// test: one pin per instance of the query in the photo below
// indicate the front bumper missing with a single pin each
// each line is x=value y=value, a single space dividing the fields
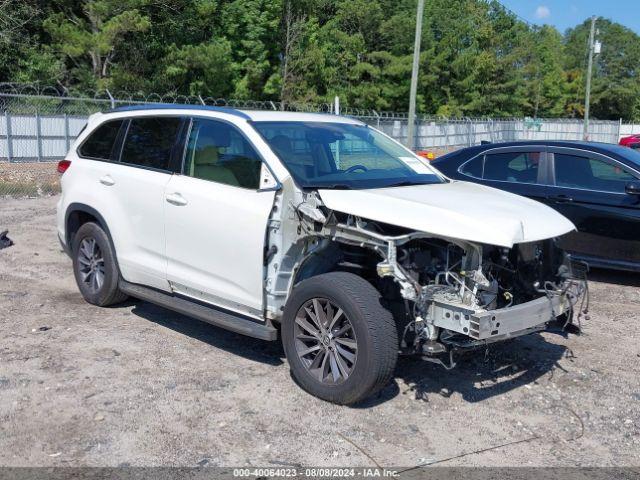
x=509 y=322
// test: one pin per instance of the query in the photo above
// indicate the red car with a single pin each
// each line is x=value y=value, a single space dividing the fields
x=632 y=141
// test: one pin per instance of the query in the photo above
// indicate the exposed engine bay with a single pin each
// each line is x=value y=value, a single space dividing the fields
x=445 y=293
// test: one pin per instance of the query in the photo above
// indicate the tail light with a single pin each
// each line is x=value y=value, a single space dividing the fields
x=63 y=166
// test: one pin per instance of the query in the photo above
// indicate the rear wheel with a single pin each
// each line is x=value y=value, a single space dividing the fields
x=95 y=267
x=340 y=341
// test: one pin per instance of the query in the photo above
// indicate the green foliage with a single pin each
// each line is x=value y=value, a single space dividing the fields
x=89 y=37
x=477 y=59
x=616 y=82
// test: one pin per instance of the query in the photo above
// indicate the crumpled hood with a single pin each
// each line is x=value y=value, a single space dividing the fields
x=460 y=210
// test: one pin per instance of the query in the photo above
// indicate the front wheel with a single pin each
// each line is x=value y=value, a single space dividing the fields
x=341 y=343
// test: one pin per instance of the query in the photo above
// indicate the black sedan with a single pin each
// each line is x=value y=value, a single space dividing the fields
x=595 y=185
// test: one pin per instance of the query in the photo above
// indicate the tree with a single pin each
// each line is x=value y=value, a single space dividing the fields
x=616 y=87
x=17 y=20
x=477 y=58
x=92 y=32
x=204 y=69
x=547 y=82
x=294 y=24
x=252 y=27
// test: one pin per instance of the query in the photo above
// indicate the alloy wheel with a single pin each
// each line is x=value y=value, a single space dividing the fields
x=325 y=341
x=91 y=264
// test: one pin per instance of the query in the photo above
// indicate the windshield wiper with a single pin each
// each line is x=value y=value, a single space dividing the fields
x=405 y=183
x=334 y=186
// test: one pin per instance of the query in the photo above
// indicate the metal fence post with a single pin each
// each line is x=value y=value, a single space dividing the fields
x=113 y=100
x=7 y=118
x=416 y=135
x=67 y=140
x=619 y=131
x=494 y=129
x=39 y=137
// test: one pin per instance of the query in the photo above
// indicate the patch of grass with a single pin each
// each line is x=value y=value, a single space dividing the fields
x=28 y=189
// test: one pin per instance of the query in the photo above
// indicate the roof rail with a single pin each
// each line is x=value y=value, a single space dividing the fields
x=176 y=106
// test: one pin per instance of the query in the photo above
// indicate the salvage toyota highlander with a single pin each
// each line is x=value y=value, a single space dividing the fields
x=315 y=228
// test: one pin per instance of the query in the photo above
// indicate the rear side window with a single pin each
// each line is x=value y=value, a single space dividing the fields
x=515 y=167
x=150 y=142
x=586 y=173
x=100 y=143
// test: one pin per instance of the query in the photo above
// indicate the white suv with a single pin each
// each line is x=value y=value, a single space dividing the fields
x=317 y=228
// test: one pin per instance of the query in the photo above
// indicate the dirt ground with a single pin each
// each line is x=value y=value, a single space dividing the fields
x=28 y=179
x=138 y=385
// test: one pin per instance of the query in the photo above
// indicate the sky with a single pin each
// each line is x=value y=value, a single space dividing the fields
x=564 y=14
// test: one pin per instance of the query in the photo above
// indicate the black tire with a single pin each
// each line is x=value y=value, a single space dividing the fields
x=106 y=292
x=374 y=331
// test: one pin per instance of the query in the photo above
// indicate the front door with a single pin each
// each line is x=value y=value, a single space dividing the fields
x=216 y=220
x=590 y=191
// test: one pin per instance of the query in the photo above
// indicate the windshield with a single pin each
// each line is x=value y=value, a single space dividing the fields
x=340 y=155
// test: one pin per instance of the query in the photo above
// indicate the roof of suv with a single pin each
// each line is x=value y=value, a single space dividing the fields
x=253 y=115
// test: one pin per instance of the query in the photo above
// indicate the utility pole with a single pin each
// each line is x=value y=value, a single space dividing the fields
x=414 y=77
x=587 y=99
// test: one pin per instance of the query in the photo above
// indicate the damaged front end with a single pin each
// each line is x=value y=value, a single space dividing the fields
x=446 y=294
x=465 y=295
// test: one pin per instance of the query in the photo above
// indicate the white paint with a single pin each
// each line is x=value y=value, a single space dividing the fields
x=133 y=208
x=458 y=210
x=215 y=242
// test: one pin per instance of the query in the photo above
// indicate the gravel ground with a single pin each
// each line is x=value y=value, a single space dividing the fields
x=139 y=385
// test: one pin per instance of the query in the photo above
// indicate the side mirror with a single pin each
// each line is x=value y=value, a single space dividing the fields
x=632 y=188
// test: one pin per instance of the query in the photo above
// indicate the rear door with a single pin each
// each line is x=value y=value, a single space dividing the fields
x=590 y=191
x=216 y=219
x=150 y=154
x=521 y=170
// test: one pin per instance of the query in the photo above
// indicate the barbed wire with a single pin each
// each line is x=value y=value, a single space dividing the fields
x=101 y=100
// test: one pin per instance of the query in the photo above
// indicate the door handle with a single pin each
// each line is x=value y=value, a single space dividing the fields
x=107 y=180
x=561 y=198
x=176 y=199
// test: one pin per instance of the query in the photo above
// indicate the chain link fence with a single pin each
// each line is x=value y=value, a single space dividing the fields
x=39 y=124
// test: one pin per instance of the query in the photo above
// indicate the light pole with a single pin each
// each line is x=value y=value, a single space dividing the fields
x=414 y=77
x=587 y=99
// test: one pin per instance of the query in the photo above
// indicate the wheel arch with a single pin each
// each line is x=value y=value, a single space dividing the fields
x=336 y=256
x=78 y=214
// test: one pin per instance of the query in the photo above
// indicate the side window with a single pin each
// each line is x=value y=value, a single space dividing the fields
x=150 y=142
x=516 y=167
x=574 y=171
x=474 y=167
x=99 y=144
x=219 y=153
